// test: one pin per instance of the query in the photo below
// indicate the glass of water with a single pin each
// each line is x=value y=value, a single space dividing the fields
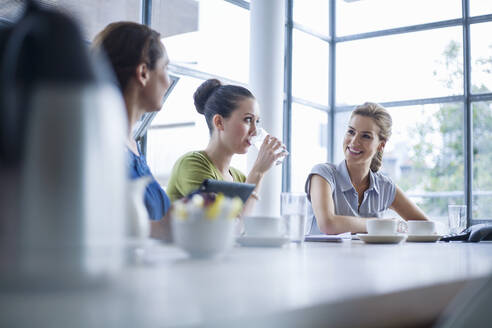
x=293 y=208
x=258 y=139
x=456 y=218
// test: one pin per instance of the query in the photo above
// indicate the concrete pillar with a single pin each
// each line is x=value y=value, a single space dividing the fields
x=266 y=81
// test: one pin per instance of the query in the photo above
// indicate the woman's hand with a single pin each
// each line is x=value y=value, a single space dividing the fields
x=270 y=151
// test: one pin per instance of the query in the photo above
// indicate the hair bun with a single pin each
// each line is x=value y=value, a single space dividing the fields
x=204 y=91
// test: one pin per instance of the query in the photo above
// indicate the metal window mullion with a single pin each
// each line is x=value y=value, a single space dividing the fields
x=147 y=12
x=410 y=102
x=240 y=3
x=414 y=28
x=480 y=19
x=401 y=30
x=467 y=122
x=171 y=125
x=287 y=122
x=309 y=103
x=331 y=84
x=311 y=32
x=146 y=20
x=481 y=97
x=194 y=73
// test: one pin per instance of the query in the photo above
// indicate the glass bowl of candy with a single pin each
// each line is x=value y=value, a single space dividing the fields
x=203 y=224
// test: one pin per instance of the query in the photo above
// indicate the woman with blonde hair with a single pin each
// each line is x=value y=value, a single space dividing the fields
x=344 y=196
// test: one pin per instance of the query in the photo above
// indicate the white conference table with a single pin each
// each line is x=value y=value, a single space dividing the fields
x=349 y=284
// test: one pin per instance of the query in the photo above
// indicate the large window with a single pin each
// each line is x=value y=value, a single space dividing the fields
x=309 y=128
x=397 y=67
x=204 y=39
x=408 y=56
x=481 y=58
x=309 y=68
x=482 y=160
x=219 y=44
x=211 y=40
x=355 y=17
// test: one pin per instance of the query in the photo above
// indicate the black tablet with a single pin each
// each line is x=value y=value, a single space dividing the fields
x=229 y=189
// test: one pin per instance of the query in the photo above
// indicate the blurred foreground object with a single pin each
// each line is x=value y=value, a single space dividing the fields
x=62 y=160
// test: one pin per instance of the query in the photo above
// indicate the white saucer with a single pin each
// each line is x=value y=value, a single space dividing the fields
x=381 y=239
x=424 y=238
x=253 y=241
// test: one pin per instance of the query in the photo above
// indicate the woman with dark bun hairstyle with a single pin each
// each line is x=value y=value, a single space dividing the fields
x=344 y=196
x=232 y=117
x=139 y=61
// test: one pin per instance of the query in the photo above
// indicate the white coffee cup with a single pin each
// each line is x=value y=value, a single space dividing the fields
x=263 y=226
x=382 y=226
x=419 y=227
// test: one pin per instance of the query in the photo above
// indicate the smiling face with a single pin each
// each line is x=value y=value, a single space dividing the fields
x=361 y=140
x=240 y=126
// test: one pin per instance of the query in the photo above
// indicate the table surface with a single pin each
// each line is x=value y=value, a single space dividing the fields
x=169 y=289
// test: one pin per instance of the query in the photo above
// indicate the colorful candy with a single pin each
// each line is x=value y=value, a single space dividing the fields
x=207 y=205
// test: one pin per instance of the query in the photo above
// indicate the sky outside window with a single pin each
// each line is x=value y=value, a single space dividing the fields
x=221 y=44
x=355 y=17
x=396 y=67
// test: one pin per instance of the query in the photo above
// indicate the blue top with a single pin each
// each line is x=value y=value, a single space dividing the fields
x=377 y=198
x=156 y=200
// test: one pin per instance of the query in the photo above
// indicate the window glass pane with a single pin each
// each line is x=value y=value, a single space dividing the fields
x=481 y=57
x=309 y=67
x=94 y=15
x=365 y=16
x=166 y=145
x=424 y=155
x=219 y=46
x=179 y=106
x=186 y=130
x=314 y=14
x=172 y=17
x=408 y=66
x=480 y=7
x=309 y=139
x=482 y=160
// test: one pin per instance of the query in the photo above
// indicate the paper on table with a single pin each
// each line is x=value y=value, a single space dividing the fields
x=328 y=238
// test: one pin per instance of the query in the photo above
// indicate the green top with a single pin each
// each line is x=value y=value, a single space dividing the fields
x=189 y=172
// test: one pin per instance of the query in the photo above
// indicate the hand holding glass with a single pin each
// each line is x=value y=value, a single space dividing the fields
x=258 y=140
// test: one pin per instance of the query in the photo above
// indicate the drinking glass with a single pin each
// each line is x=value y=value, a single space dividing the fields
x=456 y=218
x=258 y=139
x=293 y=208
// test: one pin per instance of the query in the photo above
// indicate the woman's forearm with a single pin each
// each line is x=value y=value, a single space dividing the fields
x=254 y=178
x=340 y=223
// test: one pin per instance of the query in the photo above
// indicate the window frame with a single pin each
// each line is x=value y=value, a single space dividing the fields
x=467 y=98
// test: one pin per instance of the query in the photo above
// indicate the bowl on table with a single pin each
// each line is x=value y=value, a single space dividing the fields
x=204 y=227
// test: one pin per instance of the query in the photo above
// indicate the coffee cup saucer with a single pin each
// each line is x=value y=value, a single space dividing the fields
x=382 y=239
x=424 y=238
x=262 y=241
